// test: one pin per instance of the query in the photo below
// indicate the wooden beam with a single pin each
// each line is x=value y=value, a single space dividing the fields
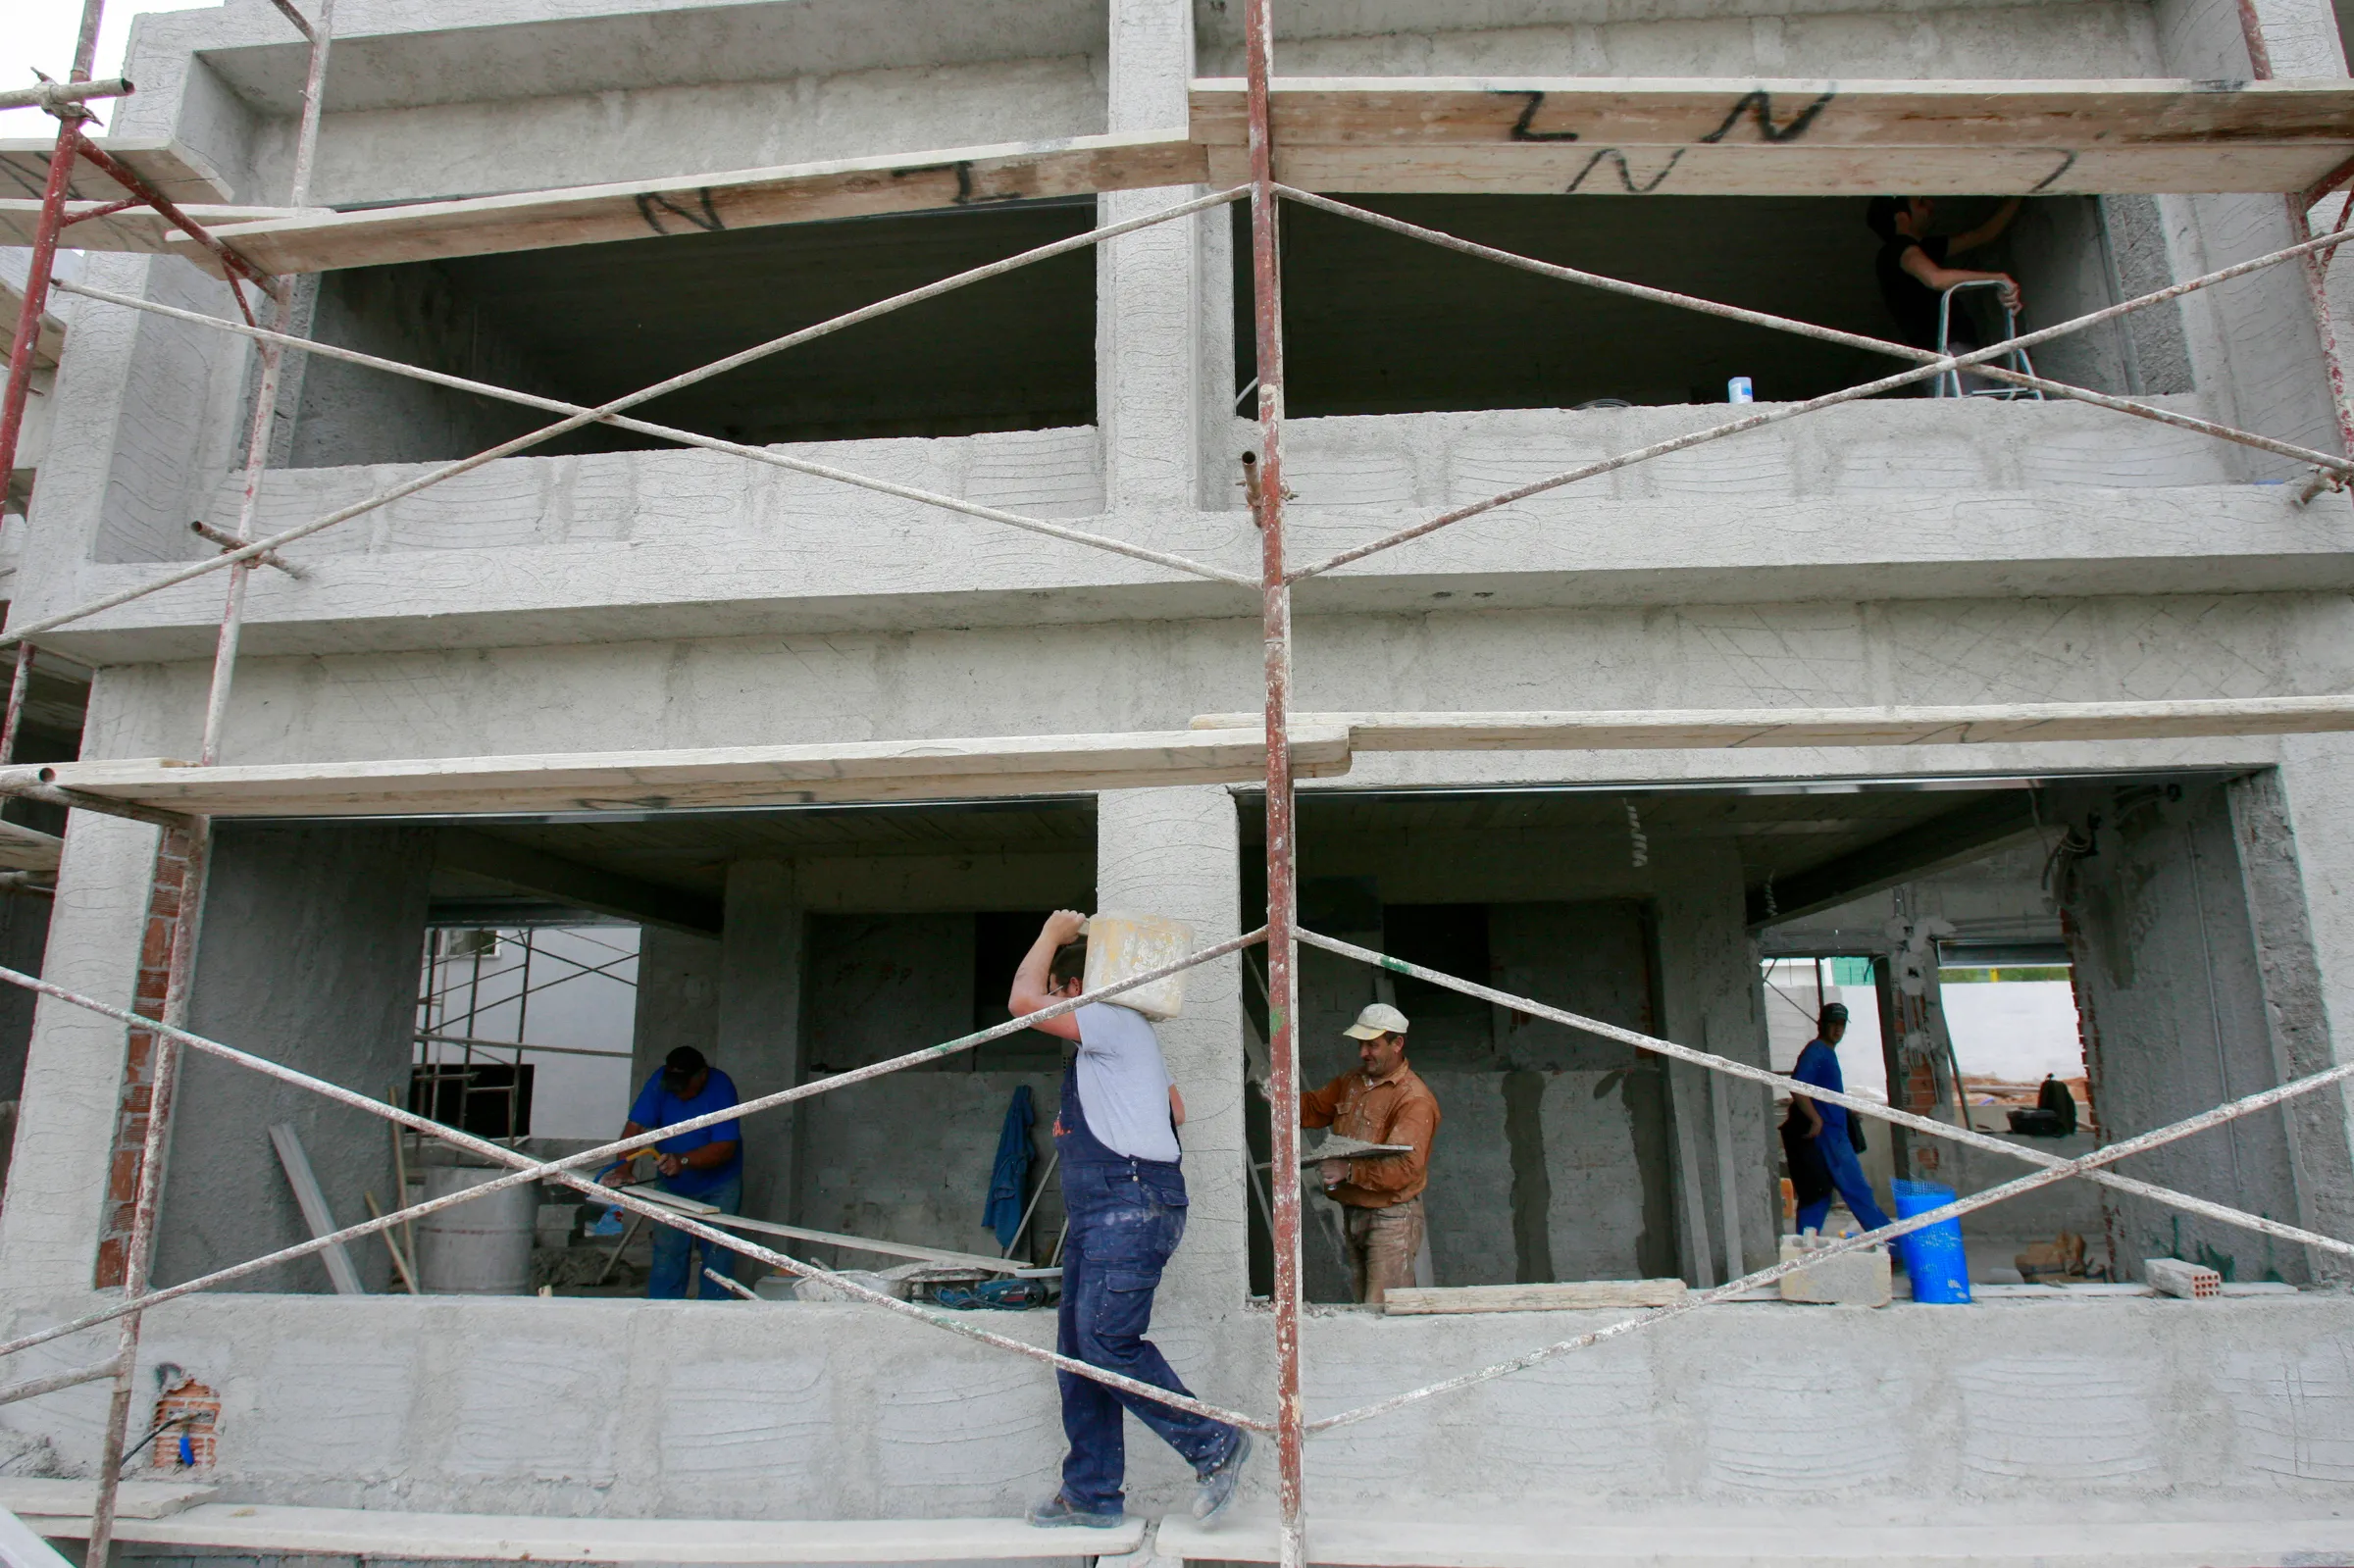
x=1947 y=839
x=24 y=848
x=737 y=776
x=176 y=170
x=1741 y=136
x=314 y=1212
x=608 y=892
x=1568 y=1296
x=855 y=1244
x=1742 y=729
x=136 y=230
x=705 y=203
x=275 y=1529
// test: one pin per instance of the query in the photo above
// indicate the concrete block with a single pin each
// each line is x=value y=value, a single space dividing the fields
x=1852 y=1279
x=2185 y=1280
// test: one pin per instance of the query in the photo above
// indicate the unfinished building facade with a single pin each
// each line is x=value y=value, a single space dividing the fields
x=608 y=592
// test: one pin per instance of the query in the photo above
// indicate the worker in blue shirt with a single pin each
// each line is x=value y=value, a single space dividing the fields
x=706 y=1164
x=1828 y=1130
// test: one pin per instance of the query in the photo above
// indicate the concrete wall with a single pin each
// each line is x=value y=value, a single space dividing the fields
x=309 y=957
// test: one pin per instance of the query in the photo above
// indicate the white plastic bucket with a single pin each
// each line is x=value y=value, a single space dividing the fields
x=478 y=1248
x=1120 y=945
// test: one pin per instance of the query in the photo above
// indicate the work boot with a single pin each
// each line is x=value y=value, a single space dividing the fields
x=1059 y=1511
x=1219 y=1480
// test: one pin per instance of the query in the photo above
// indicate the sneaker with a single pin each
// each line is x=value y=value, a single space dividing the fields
x=1219 y=1481
x=1058 y=1510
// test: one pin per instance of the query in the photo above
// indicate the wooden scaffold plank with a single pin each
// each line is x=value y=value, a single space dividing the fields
x=1751 y=727
x=708 y=203
x=1688 y=136
x=736 y=776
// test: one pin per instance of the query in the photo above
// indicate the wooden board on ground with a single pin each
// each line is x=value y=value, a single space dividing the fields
x=27 y=849
x=736 y=776
x=1423 y=1301
x=140 y=230
x=1749 y=728
x=711 y=1215
x=133 y=1499
x=1741 y=136
x=383 y=1533
x=708 y=203
x=178 y=173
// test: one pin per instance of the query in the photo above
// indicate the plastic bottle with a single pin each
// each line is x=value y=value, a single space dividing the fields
x=1739 y=390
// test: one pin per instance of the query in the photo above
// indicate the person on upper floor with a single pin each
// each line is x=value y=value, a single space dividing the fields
x=1912 y=270
x=1827 y=1133
x=1383 y=1101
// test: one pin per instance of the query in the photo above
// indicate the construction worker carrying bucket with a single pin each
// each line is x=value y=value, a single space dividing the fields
x=1123 y=1187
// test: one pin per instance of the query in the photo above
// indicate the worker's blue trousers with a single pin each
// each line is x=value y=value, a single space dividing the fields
x=1125 y=1221
x=676 y=1252
x=1849 y=1179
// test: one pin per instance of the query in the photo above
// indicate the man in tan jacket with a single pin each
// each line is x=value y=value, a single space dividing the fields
x=1382 y=1102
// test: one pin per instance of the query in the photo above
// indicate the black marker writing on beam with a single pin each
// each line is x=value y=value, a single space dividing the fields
x=651 y=205
x=1757 y=103
x=1626 y=176
x=1528 y=113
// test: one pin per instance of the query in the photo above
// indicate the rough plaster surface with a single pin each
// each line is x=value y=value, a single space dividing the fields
x=761 y=987
x=2174 y=1003
x=309 y=957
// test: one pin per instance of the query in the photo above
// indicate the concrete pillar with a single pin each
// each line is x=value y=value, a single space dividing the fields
x=760 y=1024
x=678 y=998
x=313 y=939
x=1712 y=999
x=58 y=1174
x=2295 y=830
x=1148 y=308
x=2172 y=994
x=1175 y=852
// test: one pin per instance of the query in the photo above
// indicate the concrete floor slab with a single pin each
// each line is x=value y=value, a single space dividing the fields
x=1808 y=1539
x=516 y=1537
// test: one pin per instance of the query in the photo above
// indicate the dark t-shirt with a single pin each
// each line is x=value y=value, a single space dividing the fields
x=1910 y=301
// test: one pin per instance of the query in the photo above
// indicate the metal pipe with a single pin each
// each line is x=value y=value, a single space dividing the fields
x=1829 y=334
x=2088 y=1165
x=232 y=609
x=721 y=367
x=43 y=263
x=18 y=685
x=1872 y=1109
x=553 y=1168
x=56 y=95
x=230 y=541
x=314 y=104
x=37 y=789
x=139 y=1250
x=1282 y=946
x=236 y=265
x=34 y=1388
x=518 y=1045
x=667 y=432
x=302 y=24
x=1788 y=411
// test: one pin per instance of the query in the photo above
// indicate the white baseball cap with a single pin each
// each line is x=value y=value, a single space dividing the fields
x=1376 y=1021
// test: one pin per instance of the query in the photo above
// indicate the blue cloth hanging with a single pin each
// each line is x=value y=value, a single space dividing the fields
x=1009 y=1177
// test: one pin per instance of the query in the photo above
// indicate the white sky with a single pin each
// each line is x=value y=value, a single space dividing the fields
x=40 y=33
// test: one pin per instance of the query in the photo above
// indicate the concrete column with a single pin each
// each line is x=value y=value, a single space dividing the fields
x=1150 y=378
x=313 y=937
x=2295 y=836
x=678 y=998
x=1712 y=999
x=65 y=1130
x=1175 y=852
x=2171 y=991
x=759 y=1027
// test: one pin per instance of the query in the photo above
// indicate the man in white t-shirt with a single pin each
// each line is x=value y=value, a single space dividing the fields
x=1123 y=1187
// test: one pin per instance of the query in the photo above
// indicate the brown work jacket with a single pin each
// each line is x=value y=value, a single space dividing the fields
x=1400 y=1109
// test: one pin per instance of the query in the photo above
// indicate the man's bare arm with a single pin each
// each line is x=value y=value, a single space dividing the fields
x=1917 y=262
x=1031 y=986
x=1991 y=229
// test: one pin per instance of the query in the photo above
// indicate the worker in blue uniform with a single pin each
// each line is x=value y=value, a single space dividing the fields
x=1828 y=1130
x=706 y=1164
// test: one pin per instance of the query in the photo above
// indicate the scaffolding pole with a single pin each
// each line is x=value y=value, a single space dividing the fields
x=1282 y=946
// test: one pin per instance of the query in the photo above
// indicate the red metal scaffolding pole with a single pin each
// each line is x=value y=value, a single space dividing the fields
x=1282 y=946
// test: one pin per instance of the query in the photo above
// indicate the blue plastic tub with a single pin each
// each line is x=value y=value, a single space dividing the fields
x=1932 y=1256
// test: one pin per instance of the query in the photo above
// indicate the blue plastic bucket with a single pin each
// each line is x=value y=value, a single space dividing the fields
x=1933 y=1255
